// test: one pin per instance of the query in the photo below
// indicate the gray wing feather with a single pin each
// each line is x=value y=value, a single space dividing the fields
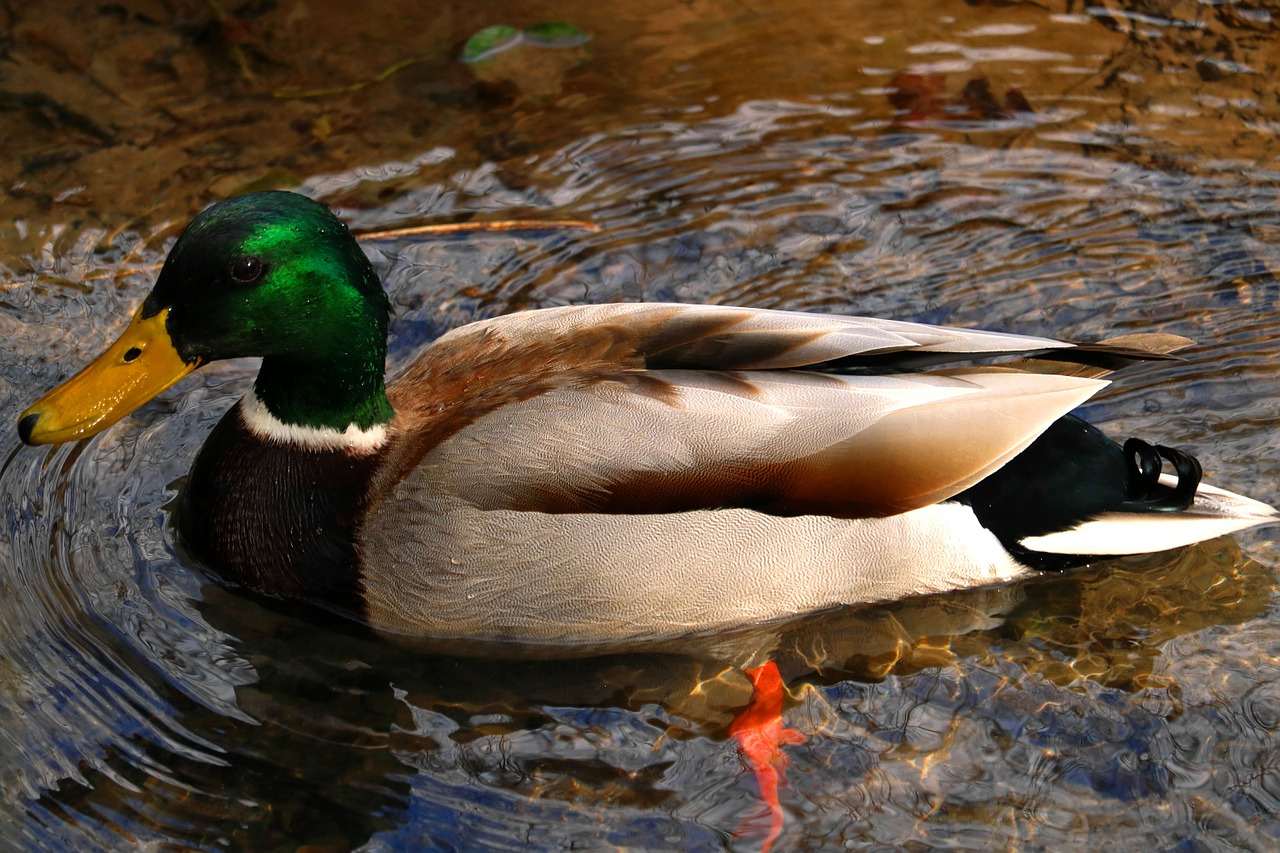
x=884 y=442
x=718 y=337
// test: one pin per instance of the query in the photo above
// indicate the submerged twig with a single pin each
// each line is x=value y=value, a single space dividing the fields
x=393 y=68
x=500 y=226
x=232 y=29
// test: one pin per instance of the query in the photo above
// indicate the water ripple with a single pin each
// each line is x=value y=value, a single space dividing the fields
x=140 y=703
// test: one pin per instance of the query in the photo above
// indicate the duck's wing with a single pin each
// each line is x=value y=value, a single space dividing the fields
x=717 y=337
x=663 y=408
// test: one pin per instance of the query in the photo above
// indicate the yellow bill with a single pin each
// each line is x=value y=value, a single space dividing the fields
x=139 y=365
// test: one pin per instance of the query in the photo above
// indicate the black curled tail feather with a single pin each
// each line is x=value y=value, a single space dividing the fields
x=1146 y=493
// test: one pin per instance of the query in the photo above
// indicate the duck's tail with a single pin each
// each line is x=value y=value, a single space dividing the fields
x=1213 y=512
x=1075 y=495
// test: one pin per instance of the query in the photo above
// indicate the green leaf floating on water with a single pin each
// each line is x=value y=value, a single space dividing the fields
x=556 y=34
x=491 y=41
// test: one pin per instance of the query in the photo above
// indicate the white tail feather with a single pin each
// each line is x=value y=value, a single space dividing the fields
x=1215 y=512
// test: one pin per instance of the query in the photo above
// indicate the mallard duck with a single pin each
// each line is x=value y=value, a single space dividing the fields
x=616 y=473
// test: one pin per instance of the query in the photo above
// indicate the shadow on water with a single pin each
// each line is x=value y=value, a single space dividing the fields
x=1135 y=702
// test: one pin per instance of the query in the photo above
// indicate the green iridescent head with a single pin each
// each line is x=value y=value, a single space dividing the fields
x=271 y=274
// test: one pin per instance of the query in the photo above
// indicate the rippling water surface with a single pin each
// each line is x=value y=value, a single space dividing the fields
x=1078 y=173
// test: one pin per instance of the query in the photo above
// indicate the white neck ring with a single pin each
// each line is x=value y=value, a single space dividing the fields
x=267 y=426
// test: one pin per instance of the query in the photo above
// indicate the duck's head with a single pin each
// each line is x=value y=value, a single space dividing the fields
x=272 y=274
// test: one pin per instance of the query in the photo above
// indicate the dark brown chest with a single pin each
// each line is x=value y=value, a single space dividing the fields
x=277 y=517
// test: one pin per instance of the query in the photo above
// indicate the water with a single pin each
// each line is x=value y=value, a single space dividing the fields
x=728 y=153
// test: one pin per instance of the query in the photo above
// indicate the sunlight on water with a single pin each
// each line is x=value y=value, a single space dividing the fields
x=1123 y=704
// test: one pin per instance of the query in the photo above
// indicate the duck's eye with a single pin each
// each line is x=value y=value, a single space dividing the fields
x=246 y=270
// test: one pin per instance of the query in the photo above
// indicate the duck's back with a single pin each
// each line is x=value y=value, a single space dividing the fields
x=648 y=471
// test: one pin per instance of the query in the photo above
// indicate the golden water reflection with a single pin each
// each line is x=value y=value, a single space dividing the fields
x=1058 y=169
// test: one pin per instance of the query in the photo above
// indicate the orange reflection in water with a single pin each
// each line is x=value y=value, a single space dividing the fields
x=760 y=735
